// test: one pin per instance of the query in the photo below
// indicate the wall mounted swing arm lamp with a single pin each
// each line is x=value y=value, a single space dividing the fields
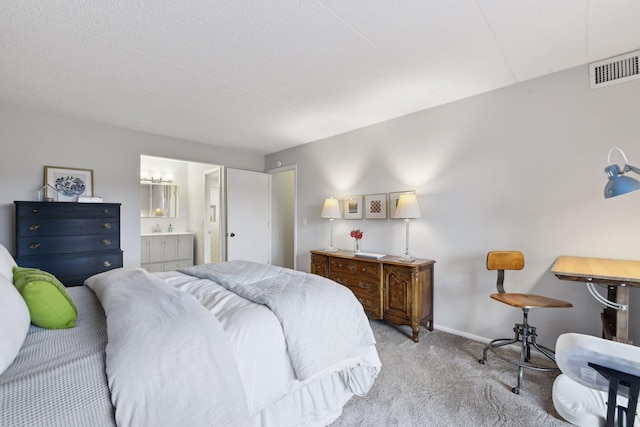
x=618 y=183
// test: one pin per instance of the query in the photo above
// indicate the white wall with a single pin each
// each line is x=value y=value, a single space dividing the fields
x=32 y=140
x=517 y=168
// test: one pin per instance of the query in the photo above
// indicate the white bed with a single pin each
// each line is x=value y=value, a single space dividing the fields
x=240 y=371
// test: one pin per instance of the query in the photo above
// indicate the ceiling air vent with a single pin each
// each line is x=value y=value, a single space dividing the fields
x=615 y=70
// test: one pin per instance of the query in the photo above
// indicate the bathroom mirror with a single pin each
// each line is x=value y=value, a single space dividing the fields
x=158 y=200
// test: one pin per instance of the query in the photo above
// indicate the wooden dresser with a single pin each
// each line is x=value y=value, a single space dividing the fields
x=389 y=289
x=69 y=240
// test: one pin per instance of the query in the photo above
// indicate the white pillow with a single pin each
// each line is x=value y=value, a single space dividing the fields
x=6 y=263
x=14 y=322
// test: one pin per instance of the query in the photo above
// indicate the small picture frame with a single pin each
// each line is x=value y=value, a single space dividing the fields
x=375 y=206
x=352 y=206
x=70 y=183
x=393 y=202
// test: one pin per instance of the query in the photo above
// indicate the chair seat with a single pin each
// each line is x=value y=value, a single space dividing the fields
x=529 y=301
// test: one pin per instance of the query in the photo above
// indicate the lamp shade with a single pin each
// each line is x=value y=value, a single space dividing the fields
x=408 y=207
x=618 y=183
x=331 y=209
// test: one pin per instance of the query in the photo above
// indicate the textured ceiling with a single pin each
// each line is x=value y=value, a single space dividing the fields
x=271 y=74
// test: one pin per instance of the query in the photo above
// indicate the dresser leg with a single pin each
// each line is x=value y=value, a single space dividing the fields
x=415 y=326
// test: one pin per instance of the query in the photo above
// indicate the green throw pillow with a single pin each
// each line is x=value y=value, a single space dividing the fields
x=49 y=303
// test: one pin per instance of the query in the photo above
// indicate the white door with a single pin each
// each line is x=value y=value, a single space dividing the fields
x=248 y=235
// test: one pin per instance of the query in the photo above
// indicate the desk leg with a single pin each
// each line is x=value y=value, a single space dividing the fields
x=616 y=322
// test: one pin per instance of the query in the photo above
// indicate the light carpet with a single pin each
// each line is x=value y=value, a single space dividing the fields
x=439 y=382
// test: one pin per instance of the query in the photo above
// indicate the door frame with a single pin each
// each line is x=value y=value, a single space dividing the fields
x=294 y=168
x=207 y=203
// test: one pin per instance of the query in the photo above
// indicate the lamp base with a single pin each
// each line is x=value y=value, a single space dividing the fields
x=407 y=258
x=331 y=249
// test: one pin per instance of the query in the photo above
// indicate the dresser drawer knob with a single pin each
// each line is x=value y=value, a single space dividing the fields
x=34 y=210
x=107 y=263
x=364 y=301
x=34 y=227
x=106 y=242
x=105 y=211
x=364 y=285
x=352 y=267
x=106 y=225
x=35 y=246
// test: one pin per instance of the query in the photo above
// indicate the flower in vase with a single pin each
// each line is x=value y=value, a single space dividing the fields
x=356 y=234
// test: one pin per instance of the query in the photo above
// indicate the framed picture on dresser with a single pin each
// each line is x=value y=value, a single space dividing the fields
x=70 y=183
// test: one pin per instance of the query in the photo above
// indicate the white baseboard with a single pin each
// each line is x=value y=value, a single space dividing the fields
x=515 y=347
x=462 y=333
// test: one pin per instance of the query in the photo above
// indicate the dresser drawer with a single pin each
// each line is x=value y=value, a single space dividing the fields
x=44 y=245
x=73 y=269
x=341 y=267
x=357 y=283
x=67 y=210
x=367 y=291
x=371 y=304
x=65 y=226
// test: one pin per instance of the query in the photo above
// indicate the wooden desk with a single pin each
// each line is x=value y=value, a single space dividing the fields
x=617 y=275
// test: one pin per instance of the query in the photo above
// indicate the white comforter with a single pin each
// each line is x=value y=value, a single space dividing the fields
x=323 y=322
x=271 y=393
x=193 y=381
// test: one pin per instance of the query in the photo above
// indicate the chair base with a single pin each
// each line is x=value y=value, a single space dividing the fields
x=526 y=335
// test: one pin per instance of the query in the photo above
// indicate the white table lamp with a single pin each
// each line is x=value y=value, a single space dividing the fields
x=407 y=208
x=331 y=210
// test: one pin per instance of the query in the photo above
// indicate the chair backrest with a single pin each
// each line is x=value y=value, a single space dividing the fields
x=504 y=260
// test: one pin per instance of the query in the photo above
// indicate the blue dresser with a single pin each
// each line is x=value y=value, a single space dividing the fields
x=70 y=240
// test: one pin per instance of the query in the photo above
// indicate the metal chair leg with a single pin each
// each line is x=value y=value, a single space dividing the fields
x=526 y=335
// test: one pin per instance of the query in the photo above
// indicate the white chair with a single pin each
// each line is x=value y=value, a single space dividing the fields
x=598 y=377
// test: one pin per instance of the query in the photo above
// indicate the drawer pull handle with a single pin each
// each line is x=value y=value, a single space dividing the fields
x=34 y=210
x=34 y=227
x=364 y=301
x=105 y=211
x=107 y=263
x=106 y=242
x=35 y=246
x=352 y=267
x=364 y=285
x=106 y=225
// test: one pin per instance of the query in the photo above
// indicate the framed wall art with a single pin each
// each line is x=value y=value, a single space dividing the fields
x=375 y=206
x=393 y=202
x=352 y=207
x=70 y=183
